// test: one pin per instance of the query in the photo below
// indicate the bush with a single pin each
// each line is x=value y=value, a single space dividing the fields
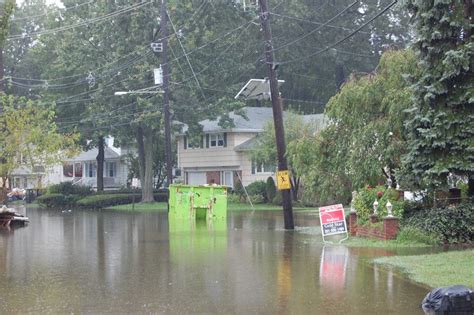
x=452 y=224
x=67 y=188
x=278 y=199
x=102 y=200
x=57 y=200
x=411 y=234
x=257 y=188
x=233 y=198
x=256 y=199
x=365 y=198
x=270 y=189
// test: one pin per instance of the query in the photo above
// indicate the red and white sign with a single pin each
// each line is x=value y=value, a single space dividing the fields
x=332 y=220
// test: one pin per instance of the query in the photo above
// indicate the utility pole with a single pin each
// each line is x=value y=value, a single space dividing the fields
x=277 y=111
x=166 y=97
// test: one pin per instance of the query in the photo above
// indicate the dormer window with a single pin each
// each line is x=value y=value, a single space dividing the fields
x=216 y=140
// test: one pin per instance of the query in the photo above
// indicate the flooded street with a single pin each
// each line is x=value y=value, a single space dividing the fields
x=111 y=262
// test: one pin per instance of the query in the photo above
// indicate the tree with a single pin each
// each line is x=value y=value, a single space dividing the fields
x=296 y=128
x=365 y=137
x=30 y=136
x=441 y=124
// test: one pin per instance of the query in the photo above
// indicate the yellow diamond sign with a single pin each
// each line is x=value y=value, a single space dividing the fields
x=283 y=180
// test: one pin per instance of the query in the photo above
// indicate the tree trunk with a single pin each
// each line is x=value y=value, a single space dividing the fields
x=100 y=164
x=340 y=77
x=147 y=183
x=141 y=154
x=295 y=184
x=470 y=190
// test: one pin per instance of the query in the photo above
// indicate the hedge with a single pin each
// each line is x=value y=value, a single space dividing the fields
x=452 y=224
x=106 y=200
x=102 y=201
x=57 y=200
x=68 y=188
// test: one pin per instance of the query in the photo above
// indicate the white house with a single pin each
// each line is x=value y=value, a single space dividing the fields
x=221 y=156
x=81 y=170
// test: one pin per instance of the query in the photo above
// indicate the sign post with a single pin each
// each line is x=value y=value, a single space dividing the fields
x=333 y=221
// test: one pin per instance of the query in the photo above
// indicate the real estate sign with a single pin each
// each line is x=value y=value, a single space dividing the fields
x=332 y=220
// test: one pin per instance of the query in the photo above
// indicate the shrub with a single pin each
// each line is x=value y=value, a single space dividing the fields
x=102 y=200
x=453 y=224
x=278 y=199
x=67 y=188
x=365 y=198
x=233 y=198
x=270 y=189
x=257 y=188
x=411 y=234
x=256 y=199
x=57 y=200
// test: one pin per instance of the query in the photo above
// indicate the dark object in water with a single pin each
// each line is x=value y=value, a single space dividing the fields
x=457 y=300
x=9 y=217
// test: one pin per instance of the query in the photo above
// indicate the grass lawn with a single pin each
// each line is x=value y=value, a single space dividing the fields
x=436 y=270
x=365 y=242
x=159 y=206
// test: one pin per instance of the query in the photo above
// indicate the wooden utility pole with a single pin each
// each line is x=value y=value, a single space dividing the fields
x=277 y=110
x=166 y=97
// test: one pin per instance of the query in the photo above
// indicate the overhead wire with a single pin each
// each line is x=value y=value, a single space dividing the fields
x=75 y=6
x=388 y=7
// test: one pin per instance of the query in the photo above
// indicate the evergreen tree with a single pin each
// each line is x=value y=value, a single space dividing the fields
x=441 y=128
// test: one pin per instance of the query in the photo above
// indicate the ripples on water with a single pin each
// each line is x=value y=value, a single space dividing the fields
x=86 y=261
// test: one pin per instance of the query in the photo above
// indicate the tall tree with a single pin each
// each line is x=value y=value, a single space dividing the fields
x=441 y=127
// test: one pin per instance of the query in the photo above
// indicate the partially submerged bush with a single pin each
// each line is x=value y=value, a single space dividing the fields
x=452 y=224
x=257 y=188
x=102 y=201
x=57 y=200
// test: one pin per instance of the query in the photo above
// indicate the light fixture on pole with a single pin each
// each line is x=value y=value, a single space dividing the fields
x=389 y=209
x=376 y=205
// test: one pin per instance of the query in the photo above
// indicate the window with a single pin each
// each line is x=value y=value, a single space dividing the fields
x=68 y=169
x=90 y=169
x=110 y=169
x=78 y=169
x=227 y=178
x=216 y=140
x=262 y=168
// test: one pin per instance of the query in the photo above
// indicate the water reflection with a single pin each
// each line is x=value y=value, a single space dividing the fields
x=109 y=262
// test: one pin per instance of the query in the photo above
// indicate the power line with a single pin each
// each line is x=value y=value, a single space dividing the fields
x=77 y=5
x=187 y=58
x=318 y=28
x=84 y=23
x=343 y=39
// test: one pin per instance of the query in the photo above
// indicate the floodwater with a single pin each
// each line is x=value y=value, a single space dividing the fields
x=112 y=262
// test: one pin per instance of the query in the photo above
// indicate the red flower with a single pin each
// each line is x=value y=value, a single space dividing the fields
x=369 y=187
x=379 y=194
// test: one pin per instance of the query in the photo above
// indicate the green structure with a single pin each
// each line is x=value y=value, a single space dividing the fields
x=198 y=202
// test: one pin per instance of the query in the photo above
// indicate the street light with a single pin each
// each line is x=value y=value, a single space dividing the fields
x=138 y=92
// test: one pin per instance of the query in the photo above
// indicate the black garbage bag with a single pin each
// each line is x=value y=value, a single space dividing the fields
x=457 y=300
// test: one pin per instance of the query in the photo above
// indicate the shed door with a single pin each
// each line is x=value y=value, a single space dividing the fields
x=197 y=178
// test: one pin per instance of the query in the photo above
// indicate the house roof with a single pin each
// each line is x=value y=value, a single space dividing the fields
x=92 y=154
x=245 y=146
x=258 y=117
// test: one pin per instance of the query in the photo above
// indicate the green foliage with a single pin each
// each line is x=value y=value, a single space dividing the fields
x=257 y=188
x=278 y=199
x=411 y=234
x=366 y=197
x=257 y=199
x=233 y=198
x=441 y=118
x=57 y=200
x=68 y=188
x=270 y=189
x=452 y=224
x=365 y=136
x=102 y=201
